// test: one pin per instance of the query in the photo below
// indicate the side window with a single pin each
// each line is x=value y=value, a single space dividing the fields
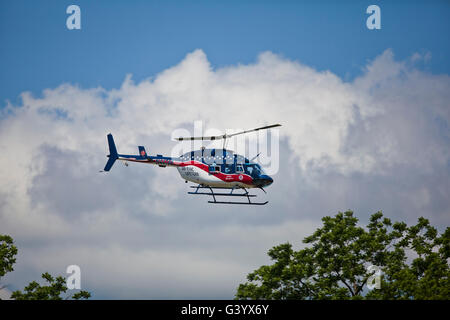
x=239 y=168
x=214 y=169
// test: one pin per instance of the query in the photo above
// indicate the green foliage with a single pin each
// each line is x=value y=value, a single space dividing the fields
x=334 y=265
x=81 y=295
x=34 y=291
x=52 y=291
x=7 y=254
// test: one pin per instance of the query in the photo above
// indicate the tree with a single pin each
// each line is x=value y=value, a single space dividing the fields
x=52 y=291
x=34 y=291
x=413 y=263
x=8 y=251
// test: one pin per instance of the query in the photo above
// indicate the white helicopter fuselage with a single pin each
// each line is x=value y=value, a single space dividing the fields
x=195 y=173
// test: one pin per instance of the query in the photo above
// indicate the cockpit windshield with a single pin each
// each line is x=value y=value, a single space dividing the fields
x=253 y=170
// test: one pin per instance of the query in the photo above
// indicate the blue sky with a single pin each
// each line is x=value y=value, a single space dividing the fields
x=146 y=37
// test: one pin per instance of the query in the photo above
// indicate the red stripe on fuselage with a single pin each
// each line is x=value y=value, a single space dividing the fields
x=232 y=177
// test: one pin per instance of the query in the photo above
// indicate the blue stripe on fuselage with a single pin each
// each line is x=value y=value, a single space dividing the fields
x=147 y=158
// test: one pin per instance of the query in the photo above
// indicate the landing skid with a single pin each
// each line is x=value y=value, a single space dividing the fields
x=222 y=194
x=247 y=203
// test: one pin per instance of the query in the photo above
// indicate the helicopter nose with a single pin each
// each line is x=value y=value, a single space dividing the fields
x=268 y=180
x=264 y=180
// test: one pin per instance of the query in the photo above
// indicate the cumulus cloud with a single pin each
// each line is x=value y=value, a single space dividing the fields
x=377 y=142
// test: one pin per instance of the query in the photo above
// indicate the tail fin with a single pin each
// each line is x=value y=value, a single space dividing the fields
x=113 y=156
x=142 y=152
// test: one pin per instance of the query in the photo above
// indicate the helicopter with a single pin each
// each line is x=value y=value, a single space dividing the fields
x=211 y=169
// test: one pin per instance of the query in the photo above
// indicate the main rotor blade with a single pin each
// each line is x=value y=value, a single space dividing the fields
x=227 y=135
x=201 y=138
x=252 y=130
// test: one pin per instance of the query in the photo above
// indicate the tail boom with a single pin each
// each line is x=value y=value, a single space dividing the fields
x=142 y=157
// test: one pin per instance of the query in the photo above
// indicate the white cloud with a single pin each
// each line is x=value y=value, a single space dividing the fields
x=378 y=142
